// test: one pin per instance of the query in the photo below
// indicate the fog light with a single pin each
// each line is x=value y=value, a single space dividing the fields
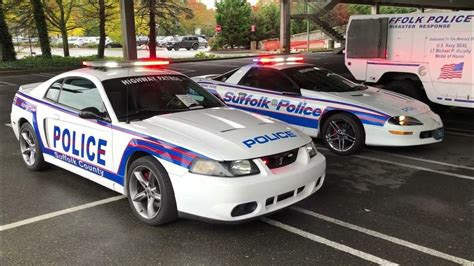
x=243 y=209
x=400 y=132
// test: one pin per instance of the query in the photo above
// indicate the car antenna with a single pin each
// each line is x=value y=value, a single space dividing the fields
x=127 y=120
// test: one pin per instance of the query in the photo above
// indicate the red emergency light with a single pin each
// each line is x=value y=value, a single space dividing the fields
x=114 y=64
x=275 y=60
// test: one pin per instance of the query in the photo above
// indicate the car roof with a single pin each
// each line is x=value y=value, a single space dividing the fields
x=113 y=73
x=282 y=66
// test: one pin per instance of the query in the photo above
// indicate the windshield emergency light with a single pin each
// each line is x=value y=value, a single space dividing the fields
x=114 y=64
x=271 y=60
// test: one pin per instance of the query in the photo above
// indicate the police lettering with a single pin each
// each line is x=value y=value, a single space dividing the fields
x=264 y=102
x=269 y=137
x=431 y=19
x=81 y=145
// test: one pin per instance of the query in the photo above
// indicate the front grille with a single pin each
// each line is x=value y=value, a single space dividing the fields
x=281 y=159
x=283 y=196
x=436 y=134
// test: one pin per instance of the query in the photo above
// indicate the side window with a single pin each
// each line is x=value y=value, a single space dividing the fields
x=53 y=91
x=269 y=79
x=80 y=93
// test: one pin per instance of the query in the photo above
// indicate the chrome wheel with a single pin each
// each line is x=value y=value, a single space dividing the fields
x=340 y=135
x=28 y=147
x=145 y=192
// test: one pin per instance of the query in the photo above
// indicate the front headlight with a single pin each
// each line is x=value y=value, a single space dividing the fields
x=224 y=169
x=404 y=121
x=311 y=148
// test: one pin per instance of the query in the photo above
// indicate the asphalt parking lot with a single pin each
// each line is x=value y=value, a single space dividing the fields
x=384 y=205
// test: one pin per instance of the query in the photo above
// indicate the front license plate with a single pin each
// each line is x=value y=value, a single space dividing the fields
x=438 y=134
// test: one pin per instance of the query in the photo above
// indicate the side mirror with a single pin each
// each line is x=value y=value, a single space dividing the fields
x=91 y=115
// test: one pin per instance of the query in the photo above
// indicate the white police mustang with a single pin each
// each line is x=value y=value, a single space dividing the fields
x=321 y=103
x=172 y=147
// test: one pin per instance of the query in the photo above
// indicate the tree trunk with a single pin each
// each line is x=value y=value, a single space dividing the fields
x=100 y=51
x=65 y=42
x=41 y=27
x=152 y=35
x=7 y=50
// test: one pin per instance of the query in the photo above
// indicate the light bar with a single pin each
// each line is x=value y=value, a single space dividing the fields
x=268 y=60
x=114 y=64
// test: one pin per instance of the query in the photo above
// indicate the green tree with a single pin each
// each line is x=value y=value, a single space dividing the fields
x=95 y=15
x=41 y=27
x=58 y=14
x=267 y=20
x=165 y=12
x=7 y=50
x=234 y=16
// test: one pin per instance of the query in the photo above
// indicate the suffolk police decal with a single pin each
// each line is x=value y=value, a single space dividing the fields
x=284 y=106
x=80 y=145
x=269 y=137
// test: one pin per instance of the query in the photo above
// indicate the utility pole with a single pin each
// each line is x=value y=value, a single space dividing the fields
x=127 y=17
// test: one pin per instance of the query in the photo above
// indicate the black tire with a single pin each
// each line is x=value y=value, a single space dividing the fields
x=176 y=48
x=195 y=46
x=108 y=46
x=169 y=48
x=188 y=48
x=205 y=46
x=408 y=88
x=167 y=211
x=35 y=162
x=347 y=132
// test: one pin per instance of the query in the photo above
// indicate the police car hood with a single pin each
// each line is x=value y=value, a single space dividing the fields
x=225 y=133
x=384 y=101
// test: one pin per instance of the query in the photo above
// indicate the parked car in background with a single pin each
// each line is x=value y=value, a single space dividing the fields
x=76 y=42
x=164 y=42
x=202 y=42
x=188 y=42
x=142 y=40
x=112 y=44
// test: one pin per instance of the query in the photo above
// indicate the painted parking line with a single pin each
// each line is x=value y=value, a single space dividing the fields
x=4 y=83
x=459 y=134
x=221 y=65
x=8 y=125
x=327 y=242
x=46 y=75
x=409 y=166
x=183 y=70
x=59 y=213
x=461 y=130
x=392 y=239
x=424 y=160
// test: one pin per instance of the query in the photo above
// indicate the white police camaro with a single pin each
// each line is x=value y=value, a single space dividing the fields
x=172 y=147
x=321 y=103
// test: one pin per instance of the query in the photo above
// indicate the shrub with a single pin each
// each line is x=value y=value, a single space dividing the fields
x=56 y=62
x=203 y=55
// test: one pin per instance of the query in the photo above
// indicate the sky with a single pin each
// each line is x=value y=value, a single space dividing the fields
x=210 y=3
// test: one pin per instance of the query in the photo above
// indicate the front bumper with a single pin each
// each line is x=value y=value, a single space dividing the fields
x=430 y=132
x=214 y=198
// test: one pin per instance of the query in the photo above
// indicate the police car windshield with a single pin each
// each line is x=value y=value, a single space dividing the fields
x=316 y=79
x=156 y=95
